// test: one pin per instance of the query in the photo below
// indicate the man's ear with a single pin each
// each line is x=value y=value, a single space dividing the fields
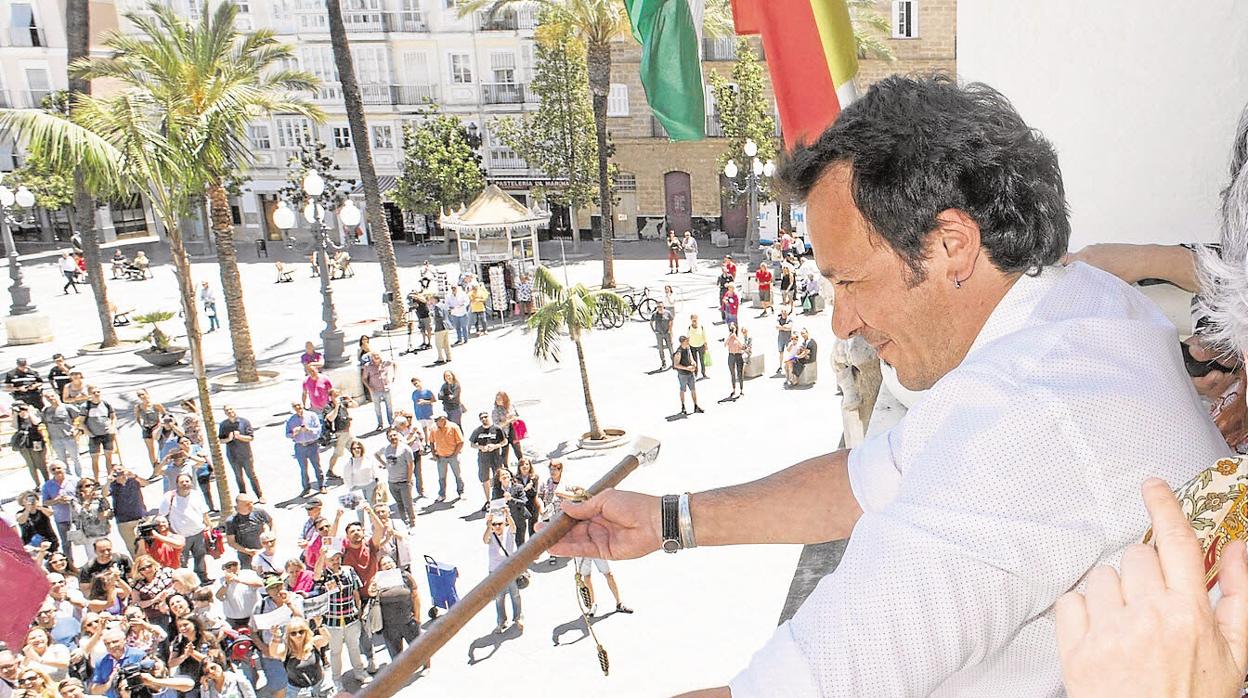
x=955 y=245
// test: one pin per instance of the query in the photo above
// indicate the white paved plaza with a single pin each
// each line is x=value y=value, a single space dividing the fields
x=699 y=614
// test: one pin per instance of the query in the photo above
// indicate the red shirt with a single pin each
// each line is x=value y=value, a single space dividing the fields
x=363 y=560
x=731 y=303
x=731 y=268
x=763 y=276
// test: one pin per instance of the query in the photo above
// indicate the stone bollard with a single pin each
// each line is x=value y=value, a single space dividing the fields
x=756 y=366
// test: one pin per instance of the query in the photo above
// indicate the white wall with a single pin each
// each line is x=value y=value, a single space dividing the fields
x=1140 y=97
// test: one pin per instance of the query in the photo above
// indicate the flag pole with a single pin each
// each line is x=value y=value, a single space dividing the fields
x=394 y=676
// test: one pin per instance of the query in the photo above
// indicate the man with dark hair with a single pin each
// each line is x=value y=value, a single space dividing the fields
x=939 y=217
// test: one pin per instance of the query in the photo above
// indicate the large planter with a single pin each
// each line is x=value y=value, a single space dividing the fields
x=611 y=439
x=163 y=359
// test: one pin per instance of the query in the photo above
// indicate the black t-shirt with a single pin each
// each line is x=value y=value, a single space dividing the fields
x=246 y=528
x=683 y=356
x=240 y=426
x=121 y=562
x=25 y=386
x=58 y=378
x=343 y=420
x=675 y=245
x=488 y=436
x=304 y=673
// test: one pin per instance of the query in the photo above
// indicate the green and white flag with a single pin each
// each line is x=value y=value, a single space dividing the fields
x=670 y=33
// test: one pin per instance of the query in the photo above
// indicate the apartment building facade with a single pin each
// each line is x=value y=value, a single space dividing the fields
x=410 y=54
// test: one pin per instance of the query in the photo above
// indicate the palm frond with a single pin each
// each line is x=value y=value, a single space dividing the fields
x=547 y=324
x=545 y=283
x=66 y=146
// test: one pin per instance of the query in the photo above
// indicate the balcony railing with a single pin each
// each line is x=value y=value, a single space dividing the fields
x=656 y=129
x=408 y=95
x=501 y=21
x=502 y=93
x=719 y=49
x=714 y=129
x=406 y=22
x=506 y=160
x=358 y=21
x=370 y=93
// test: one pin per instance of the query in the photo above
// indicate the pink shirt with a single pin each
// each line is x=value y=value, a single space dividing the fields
x=318 y=391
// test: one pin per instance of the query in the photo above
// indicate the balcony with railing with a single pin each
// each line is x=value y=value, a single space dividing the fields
x=413 y=95
x=502 y=93
x=501 y=21
x=356 y=22
x=370 y=93
x=505 y=159
x=722 y=48
x=406 y=22
x=714 y=129
x=656 y=128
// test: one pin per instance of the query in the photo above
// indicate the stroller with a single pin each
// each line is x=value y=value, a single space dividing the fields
x=442 y=580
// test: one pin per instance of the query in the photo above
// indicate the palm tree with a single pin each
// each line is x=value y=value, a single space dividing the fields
x=574 y=310
x=382 y=241
x=147 y=139
x=597 y=22
x=211 y=73
x=78 y=45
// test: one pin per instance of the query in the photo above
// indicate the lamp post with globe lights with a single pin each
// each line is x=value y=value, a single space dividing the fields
x=754 y=170
x=18 y=291
x=314 y=194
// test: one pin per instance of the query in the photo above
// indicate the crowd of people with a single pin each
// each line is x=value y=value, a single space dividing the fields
x=155 y=592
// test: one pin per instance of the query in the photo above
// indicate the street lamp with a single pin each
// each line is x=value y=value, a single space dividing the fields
x=755 y=169
x=18 y=292
x=313 y=189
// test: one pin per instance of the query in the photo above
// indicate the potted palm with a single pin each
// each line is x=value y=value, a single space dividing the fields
x=573 y=309
x=162 y=352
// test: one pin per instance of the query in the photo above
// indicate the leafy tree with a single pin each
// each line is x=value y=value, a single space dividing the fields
x=573 y=310
x=870 y=30
x=598 y=23
x=441 y=169
x=312 y=156
x=53 y=189
x=745 y=112
x=559 y=138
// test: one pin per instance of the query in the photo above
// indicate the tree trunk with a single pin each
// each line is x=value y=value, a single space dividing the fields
x=232 y=284
x=599 y=64
x=194 y=339
x=383 y=244
x=78 y=42
x=595 y=431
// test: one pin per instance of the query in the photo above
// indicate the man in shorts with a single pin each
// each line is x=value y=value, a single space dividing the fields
x=490 y=440
x=100 y=423
x=687 y=373
x=585 y=568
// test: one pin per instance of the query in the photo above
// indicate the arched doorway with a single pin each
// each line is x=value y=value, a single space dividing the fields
x=678 y=198
x=735 y=215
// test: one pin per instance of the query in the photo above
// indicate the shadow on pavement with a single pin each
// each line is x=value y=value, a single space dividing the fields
x=676 y=417
x=436 y=507
x=576 y=624
x=492 y=641
x=549 y=565
x=563 y=449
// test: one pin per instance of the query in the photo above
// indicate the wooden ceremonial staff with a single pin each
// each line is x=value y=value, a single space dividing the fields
x=394 y=676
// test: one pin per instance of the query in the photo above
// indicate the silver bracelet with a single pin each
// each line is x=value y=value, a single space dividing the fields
x=686 y=523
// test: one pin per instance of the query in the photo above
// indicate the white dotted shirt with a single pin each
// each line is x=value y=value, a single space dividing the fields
x=1018 y=472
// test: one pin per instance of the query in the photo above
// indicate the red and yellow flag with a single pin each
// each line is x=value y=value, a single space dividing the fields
x=812 y=58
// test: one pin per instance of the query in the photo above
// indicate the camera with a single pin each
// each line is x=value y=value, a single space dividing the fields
x=145 y=531
x=130 y=676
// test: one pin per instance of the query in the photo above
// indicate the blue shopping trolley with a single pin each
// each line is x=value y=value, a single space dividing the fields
x=442 y=580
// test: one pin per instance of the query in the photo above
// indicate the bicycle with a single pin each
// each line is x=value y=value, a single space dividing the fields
x=609 y=318
x=641 y=303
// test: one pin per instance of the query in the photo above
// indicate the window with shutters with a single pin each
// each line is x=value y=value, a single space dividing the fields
x=319 y=60
x=461 y=68
x=383 y=137
x=292 y=131
x=905 y=19
x=503 y=67
x=342 y=136
x=714 y=129
x=40 y=84
x=617 y=100
x=259 y=136
x=23 y=28
x=415 y=68
x=371 y=65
